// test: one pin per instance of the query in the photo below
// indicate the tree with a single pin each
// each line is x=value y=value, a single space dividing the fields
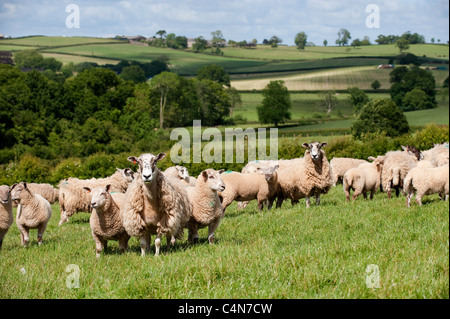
x=445 y=83
x=375 y=85
x=358 y=98
x=416 y=99
x=300 y=40
x=343 y=37
x=161 y=33
x=274 y=41
x=214 y=73
x=162 y=84
x=235 y=99
x=329 y=100
x=325 y=42
x=402 y=44
x=217 y=42
x=199 y=44
x=380 y=116
x=275 y=105
x=432 y=40
x=133 y=73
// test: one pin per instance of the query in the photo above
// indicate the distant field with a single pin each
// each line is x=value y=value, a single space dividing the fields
x=8 y=47
x=67 y=58
x=41 y=41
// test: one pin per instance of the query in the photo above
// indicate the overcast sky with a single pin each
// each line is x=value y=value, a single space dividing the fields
x=237 y=19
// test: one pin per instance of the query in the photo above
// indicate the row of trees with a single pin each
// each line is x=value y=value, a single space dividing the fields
x=98 y=110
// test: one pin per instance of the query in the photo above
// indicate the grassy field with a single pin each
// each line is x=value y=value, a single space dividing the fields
x=292 y=252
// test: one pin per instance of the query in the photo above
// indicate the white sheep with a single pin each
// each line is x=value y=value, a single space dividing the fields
x=47 y=191
x=340 y=165
x=207 y=209
x=154 y=204
x=34 y=211
x=304 y=177
x=364 y=178
x=426 y=181
x=181 y=173
x=73 y=199
x=6 y=212
x=106 y=221
x=396 y=165
x=261 y=186
x=438 y=155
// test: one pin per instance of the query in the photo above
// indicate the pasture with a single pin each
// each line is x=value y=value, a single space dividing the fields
x=292 y=252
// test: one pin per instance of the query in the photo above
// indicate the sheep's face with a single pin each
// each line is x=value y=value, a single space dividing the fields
x=147 y=165
x=314 y=150
x=378 y=162
x=127 y=174
x=213 y=179
x=4 y=194
x=182 y=172
x=414 y=152
x=17 y=189
x=98 y=195
x=268 y=172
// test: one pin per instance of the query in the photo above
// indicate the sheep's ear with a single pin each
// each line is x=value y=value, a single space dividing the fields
x=160 y=156
x=221 y=171
x=25 y=185
x=128 y=172
x=205 y=175
x=133 y=159
x=87 y=189
x=323 y=145
x=108 y=187
x=305 y=145
x=12 y=186
x=276 y=167
x=404 y=148
x=371 y=158
x=259 y=169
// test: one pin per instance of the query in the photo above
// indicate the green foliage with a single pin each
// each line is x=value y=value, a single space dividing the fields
x=300 y=40
x=445 y=83
x=402 y=44
x=378 y=116
x=275 y=105
x=35 y=60
x=416 y=99
x=214 y=73
x=199 y=44
x=375 y=85
x=358 y=98
x=133 y=73
x=406 y=59
x=30 y=168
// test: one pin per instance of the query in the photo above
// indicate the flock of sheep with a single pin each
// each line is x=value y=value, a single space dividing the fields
x=151 y=202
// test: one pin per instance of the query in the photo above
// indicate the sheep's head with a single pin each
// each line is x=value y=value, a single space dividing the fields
x=17 y=189
x=182 y=172
x=378 y=161
x=147 y=165
x=127 y=174
x=411 y=150
x=314 y=150
x=268 y=172
x=98 y=195
x=213 y=179
x=4 y=194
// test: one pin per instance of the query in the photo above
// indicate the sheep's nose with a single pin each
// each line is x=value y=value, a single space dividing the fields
x=146 y=176
x=222 y=188
x=93 y=204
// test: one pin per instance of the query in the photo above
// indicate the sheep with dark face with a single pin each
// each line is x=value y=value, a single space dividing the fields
x=154 y=204
x=304 y=177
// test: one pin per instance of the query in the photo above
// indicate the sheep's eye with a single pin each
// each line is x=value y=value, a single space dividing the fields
x=211 y=177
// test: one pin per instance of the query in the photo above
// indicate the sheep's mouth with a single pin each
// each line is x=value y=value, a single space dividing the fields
x=4 y=201
x=221 y=188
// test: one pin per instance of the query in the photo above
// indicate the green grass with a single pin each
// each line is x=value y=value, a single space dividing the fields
x=43 y=41
x=292 y=252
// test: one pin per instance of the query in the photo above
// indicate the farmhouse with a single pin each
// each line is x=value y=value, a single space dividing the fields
x=386 y=66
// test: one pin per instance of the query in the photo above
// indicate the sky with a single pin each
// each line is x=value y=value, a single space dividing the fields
x=237 y=19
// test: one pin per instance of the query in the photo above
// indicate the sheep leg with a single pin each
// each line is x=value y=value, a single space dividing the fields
x=157 y=244
x=41 y=230
x=372 y=193
x=145 y=243
x=408 y=198
x=280 y=200
x=24 y=236
x=419 y=199
x=318 y=199
x=308 y=203
x=123 y=242
x=193 y=233
x=364 y=195
x=212 y=229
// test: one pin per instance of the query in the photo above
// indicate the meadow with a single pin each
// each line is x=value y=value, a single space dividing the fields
x=292 y=252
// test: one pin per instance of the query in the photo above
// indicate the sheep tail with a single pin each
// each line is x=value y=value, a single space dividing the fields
x=395 y=176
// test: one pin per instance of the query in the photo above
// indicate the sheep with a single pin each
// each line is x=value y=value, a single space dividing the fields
x=155 y=204
x=340 y=165
x=207 y=209
x=396 y=165
x=364 y=178
x=6 y=212
x=438 y=155
x=73 y=199
x=34 y=211
x=246 y=187
x=181 y=173
x=304 y=177
x=106 y=222
x=426 y=181
x=47 y=191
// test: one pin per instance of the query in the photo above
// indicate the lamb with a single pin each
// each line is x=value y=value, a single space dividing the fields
x=304 y=177
x=340 y=165
x=181 y=173
x=207 y=209
x=364 y=178
x=396 y=165
x=426 y=181
x=47 y=191
x=34 y=211
x=106 y=221
x=73 y=199
x=245 y=187
x=155 y=204
x=6 y=212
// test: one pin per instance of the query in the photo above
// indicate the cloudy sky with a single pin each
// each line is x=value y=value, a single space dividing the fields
x=237 y=19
